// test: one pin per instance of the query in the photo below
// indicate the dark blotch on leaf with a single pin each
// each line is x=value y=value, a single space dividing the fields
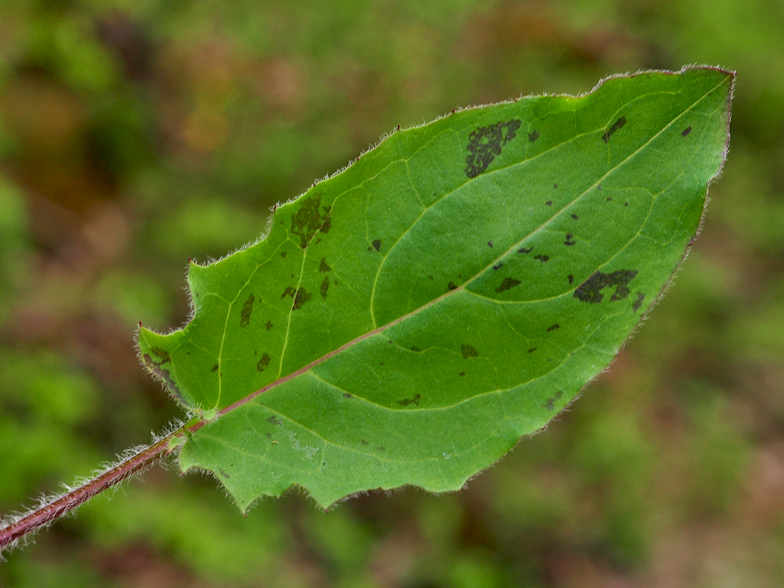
x=532 y=349
x=347 y=395
x=263 y=363
x=162 y=355
x=377 y=244
x=416 y=349
x=324 y=287
x=549 y=203
x=507 y=284
x=307 y=220
x=323 y=267
x=273 y=420
x=553 y=327
x=451 y=286
x=489 y=243
x=574 y=216
x=569 y=240
x=469 y=351
x=247 y=310
x=524 y=250
x=214 y=368
x=570 y=277
x=591 y=289
x=542 y=258
x=268 y=325
x=289 y=291
x=617 y=125
x=300 y=298
x=283 y=254
x=686 y=131
x=461 y=374
x=485 y=143
x=364 y=442
x=638 y=303
x=414 y=400
x=533 y=136
x=498 y=266
x=224 y=474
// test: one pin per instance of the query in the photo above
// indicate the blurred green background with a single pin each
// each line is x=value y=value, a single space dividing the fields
x=137 y=133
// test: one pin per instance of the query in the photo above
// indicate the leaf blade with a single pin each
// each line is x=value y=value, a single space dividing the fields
x=339 y=397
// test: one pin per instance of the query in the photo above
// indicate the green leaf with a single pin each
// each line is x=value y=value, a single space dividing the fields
x=407 y=320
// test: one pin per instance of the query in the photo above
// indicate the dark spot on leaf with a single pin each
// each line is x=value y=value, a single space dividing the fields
x=347 y=395
x=325 y=226
x=558 y=394
x=300 y=298
x=498 y=266
x=416 y=349
x=224 y=474
x=550 y=404
x=555 y=186
x=591 y=290
x=599 y=187
x=570 y=277
x=263 y=363
x=533 y=136
x=626 y=204
x=617 y=125
x=569 y=240
x=485 y=143
x=377 y=244
x=431 y=277
x=214 y=368
x=324 y=287
x=364 y=442
x=289 y=291
x=414 y=400
x=549 y=203
x=524 y=250
x=451 y=286
x=507 y=284
x=553 y=327
x=381 y=448
x=273 y=420
x=469 y=351
x=607 y=199
x=686 y=131
x=638 y=303
x=461 y=374
x=283 y=254
x=307 y=220
x=574 y=216
x=268 y=325
x=489 y=243
x=162 y=355
x=323 y=267
x=247 y=310
x=532 y=349
x=542 y=258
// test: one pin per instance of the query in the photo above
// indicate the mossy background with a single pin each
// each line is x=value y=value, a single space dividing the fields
x=136 y=134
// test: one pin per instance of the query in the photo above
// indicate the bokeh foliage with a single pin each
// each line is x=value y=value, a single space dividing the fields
x=136 y=134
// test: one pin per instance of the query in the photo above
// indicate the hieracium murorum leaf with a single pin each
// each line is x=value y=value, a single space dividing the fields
x=407 y=320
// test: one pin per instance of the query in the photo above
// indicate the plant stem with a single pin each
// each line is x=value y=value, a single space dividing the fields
x=57 y=507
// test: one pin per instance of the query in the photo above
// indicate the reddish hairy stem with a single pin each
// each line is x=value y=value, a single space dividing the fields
x=62 y=505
